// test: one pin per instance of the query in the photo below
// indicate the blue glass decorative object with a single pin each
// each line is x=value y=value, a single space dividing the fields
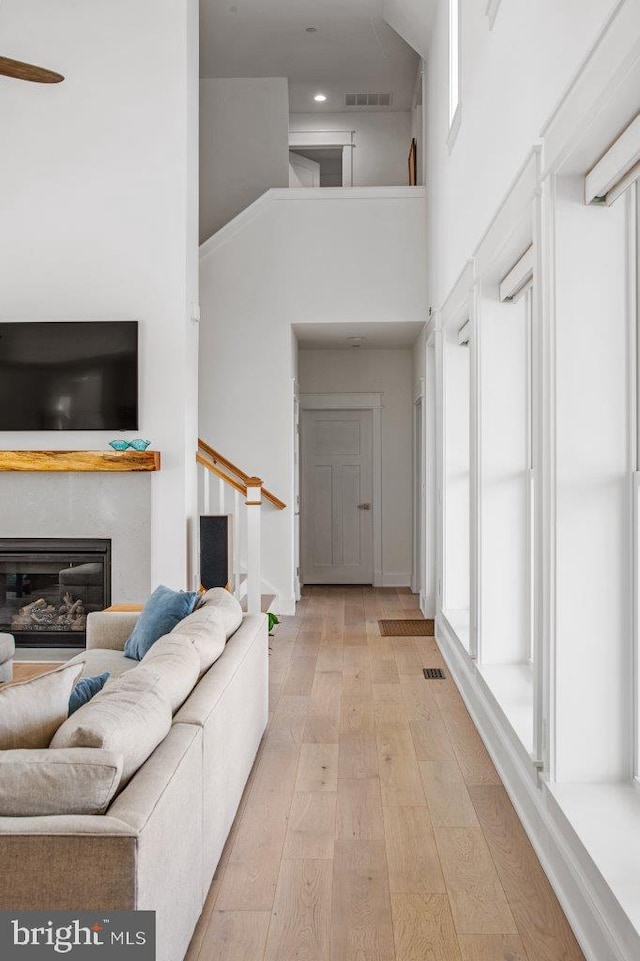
x=137 y=444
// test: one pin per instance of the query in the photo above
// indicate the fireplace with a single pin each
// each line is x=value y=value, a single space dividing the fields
x=49 y=585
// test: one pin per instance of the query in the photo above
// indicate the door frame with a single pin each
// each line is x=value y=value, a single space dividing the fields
x=307 y=164
x=359 y=401
x=418 y=484
x=328 y=138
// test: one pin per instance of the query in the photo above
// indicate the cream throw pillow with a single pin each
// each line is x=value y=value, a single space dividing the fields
x=32 y=711
x=176 y=664
x=227 y=607
x=75 y=781
x=129 y=717
x=204 y=630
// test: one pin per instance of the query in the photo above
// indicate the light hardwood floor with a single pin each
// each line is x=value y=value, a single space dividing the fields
x=374 y=826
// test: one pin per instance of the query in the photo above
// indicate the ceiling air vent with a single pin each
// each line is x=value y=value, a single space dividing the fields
x=367 y=99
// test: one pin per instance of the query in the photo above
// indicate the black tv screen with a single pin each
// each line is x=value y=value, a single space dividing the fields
x=69 y=376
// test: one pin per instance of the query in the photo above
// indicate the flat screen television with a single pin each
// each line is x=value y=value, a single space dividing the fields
x=64 y=375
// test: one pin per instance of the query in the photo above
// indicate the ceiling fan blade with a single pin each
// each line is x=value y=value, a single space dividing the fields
x=27 y=71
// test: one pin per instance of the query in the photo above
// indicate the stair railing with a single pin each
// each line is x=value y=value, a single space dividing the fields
x=231 y=478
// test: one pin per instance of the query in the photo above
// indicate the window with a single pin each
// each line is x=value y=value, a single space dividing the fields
x=506 y=492
x=615 y=182
x=634 y=305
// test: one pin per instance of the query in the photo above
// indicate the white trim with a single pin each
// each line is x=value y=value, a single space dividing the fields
x=635 y=672
x=464 y=334
x=441 y=448
x=377 y=496
x=321 y=138
x=239 y=222
x=372 y=402
x=349 y=401
x=455 y=309
x=418 y=391
x=519 y=279
x=428 y=594
x=602 y=930
x=492 y=11
x=347 y=193
x=418 y=490
x=396 y=580
x=475 y=476
x=546 y=319
x=283 y=605
x=347 y=166
x=512 y=217
x=454 y=129
x=633 y=375
x=263 y=203
x=455 y=50
x=606 y=69
x=617 y=170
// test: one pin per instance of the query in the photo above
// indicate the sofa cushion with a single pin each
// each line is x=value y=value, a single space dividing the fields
x=32 y=711
x=97 y=661
x=129 y=717
x=227 y=606
x=85 y=688
x=79 y=780
x=164 y=609
x=205 y=632
x=176 y=664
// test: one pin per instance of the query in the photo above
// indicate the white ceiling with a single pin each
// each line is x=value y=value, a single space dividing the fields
x=376 y=336
x=353 y=51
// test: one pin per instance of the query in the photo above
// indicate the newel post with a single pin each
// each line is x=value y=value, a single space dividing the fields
x=254 y=571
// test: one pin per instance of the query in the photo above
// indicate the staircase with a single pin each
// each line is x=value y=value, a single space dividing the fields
x=240 y=497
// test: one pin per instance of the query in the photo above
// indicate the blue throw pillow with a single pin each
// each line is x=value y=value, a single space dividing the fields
x=84 y=690
x=164 y=609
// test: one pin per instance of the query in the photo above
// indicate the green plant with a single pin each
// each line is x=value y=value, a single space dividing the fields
x=273 y=620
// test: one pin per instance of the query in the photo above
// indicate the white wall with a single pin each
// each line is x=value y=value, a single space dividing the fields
x=99 y=218
x=512 y=77
x=412 y=19
x=382 y=143
x=388 y=372
x=244 y=145
x=318 y=256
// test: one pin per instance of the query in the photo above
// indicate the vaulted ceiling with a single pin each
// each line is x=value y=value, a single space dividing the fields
x=352 y=48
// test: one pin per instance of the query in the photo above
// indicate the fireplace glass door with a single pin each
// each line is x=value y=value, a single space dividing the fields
x=48 y=586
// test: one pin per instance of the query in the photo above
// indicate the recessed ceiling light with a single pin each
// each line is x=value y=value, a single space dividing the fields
x=311 y=29
x=320 y=98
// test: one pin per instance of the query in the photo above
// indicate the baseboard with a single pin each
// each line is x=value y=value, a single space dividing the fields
x=395 y=580
x=603 y=931
x=284 y=605
x=427 y=605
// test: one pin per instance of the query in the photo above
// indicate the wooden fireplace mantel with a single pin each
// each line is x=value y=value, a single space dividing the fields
x=79 y=460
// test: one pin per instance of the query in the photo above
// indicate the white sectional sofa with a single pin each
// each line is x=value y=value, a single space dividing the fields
x=158 y=844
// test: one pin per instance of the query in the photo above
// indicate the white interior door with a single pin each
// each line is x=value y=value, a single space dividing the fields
x=302 y=171
x=337 y=485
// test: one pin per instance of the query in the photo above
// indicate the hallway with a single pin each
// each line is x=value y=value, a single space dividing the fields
x=374 y=826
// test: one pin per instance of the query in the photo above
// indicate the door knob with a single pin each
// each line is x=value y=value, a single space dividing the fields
x=364 y=507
